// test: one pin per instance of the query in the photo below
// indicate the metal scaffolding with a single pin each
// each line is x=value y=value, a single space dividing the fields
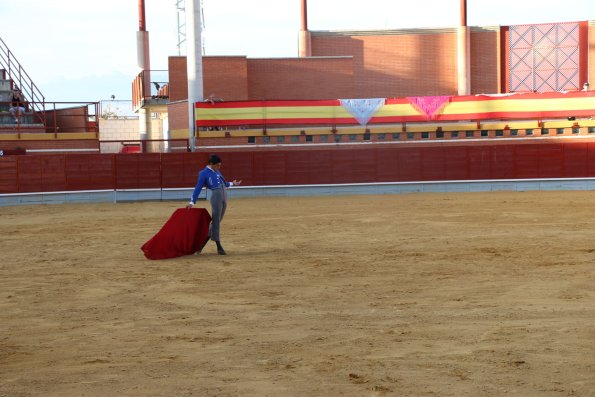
x=181 y=23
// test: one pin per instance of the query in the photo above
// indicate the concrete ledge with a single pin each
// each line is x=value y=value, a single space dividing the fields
x=183 y=194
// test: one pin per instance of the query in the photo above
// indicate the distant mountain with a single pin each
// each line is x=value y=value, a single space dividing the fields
x=89 y=89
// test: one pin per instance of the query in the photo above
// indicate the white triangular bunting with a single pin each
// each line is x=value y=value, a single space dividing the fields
x=362 y=109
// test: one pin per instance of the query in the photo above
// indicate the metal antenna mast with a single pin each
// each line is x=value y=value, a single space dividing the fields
x=181 y=15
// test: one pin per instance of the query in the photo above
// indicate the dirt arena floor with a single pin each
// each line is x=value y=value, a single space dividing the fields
x=463 y=294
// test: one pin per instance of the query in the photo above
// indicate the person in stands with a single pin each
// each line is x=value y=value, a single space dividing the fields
x=17 y=105
x=212 y=178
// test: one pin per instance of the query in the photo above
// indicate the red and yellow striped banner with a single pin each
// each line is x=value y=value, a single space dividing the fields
x=396 y=110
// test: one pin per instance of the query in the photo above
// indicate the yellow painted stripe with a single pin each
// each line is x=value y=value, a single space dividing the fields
x=42 y=136
x=519 y=105
x=283 y=112
x=211 y=134
x=179 y=134
x=558 y=124
x=76 y=135
x=397 y=109
x=296 y=112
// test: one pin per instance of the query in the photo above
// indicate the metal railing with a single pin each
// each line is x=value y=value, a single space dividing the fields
x=72 y=117
x=144 y=146
x=19 y=77
x=149 y=84
x=116 y=109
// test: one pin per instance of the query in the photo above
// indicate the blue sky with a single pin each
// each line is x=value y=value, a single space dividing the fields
x=77 y=50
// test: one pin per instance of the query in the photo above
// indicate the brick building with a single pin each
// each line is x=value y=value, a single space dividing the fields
x=399 y=63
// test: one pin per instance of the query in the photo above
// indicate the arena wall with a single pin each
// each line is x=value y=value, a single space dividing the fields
x=303 y=166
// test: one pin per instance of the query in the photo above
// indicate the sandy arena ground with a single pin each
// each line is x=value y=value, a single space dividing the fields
x=463 y=294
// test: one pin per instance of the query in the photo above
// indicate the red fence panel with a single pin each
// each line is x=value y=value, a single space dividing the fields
x=53 y=172
x=268 y=168
x=503 y=162
x=432 y=163
x=9 y=174
x=30 y=179
x=171 y=164
x=342 y=166
x=551 y=161
x=527 y=161
x=409 y=164
x=135 y=171
x=455 y=163
x=240 y=166
x=320 y=171
x=89 y=171
x=181 y=169
x=364 y=165
x=386 y=165
x=575 y=160
x=591 y=159
x=297 y=165
x=43 y=172
x=480 y=160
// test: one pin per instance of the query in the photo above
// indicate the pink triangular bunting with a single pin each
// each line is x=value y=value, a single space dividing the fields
x=429 y=105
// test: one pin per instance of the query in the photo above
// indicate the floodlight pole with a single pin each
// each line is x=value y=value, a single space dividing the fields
x=193 y=65
x=463 y=63
x=143 y=62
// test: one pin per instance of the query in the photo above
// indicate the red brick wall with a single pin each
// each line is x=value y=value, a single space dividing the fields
x=394 y=64
x=484 y=61
x=364 y=65
x=68 y=120
x=301 y=78
x=178 y=79
x=224 y=77
x=178 y=115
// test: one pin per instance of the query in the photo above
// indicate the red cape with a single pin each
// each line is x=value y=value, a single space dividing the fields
x=185 y=233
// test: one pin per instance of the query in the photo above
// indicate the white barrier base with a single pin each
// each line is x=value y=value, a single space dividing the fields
x=127 y=195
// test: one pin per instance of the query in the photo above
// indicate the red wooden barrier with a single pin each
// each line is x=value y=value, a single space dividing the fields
x=323 y=165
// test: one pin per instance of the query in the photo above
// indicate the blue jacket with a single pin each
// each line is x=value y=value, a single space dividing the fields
x=211 y=179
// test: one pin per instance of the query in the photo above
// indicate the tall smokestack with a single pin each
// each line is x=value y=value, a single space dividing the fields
x=463 y=12
x=305 y=39
x=142 y=39
x=463 y=62
x=141 y=16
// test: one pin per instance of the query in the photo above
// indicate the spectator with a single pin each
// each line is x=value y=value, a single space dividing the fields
x=213 y=99
x=17 y=105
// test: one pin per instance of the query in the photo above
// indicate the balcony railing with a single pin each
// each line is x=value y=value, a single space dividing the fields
x=149 y=84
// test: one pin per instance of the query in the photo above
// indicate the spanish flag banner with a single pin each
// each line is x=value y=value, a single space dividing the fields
x=394 y=110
